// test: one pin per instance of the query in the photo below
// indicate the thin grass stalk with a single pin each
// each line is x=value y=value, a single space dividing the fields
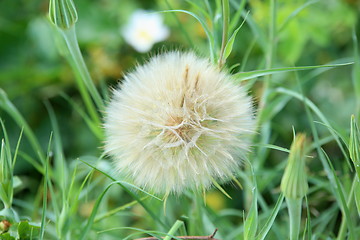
x=226 y=20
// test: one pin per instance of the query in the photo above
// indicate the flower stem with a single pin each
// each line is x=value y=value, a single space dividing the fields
x=173 y=229
x=86 y=85
x=294 y=208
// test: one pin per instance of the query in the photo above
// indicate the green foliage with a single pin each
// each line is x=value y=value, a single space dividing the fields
x=300 y=65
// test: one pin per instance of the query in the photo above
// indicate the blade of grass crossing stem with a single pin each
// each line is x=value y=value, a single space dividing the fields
x=251 y=222
x=270 y=221
x=8 y=107
x=208 y=33
x=45 y=194
x=259 y=73
x=118 y=209
x=316 y=110
x=335 y=132
x=151 y=213
x=342 y=203
x=174 y=229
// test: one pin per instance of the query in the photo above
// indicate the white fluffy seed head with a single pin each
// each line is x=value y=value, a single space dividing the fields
x=178 y=123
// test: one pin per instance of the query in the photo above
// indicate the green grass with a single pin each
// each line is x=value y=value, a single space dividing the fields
x=56 y=182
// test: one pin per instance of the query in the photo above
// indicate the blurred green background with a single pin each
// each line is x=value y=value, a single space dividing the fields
x=32 y=71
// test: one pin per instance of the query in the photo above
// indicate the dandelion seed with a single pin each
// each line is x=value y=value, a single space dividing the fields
x=144 y=29
x=178 y=123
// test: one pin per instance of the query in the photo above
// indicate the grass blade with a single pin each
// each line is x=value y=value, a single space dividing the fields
x=259 y=73
x=266 y=228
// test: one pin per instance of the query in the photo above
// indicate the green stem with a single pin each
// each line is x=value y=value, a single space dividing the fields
x=270 y=51
x=118 y=209
x=86 y=85
x=350 y=202
x=294 y=208
x=226 y=20
x=197 y=224
x=173 y=230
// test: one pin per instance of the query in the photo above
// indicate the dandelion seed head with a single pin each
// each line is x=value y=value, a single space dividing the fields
x=178 y=123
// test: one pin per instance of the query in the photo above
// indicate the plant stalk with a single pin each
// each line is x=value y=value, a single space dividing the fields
x=294 y=208
x=226 y=20
x=86 y=85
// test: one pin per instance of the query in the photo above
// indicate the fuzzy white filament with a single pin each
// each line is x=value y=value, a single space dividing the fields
x=178 y=123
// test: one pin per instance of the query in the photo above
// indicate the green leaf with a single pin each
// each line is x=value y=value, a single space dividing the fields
x=251 y=222
x=230 y=43
x=266 y=228
x=259 y=73
x=26 y=230
x=6 y=236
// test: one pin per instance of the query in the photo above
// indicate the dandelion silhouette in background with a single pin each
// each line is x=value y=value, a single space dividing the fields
x=178 y=123
x=144 y=29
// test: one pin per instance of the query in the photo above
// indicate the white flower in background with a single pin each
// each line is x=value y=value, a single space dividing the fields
x=144 y=29
x=178 y=123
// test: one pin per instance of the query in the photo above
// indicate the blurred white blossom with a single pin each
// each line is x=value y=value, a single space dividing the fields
x=144 y=29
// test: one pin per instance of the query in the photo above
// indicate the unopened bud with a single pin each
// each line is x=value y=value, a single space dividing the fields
x=62 y=13
x=294 y=181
